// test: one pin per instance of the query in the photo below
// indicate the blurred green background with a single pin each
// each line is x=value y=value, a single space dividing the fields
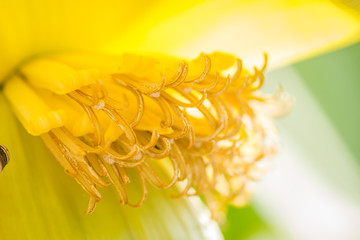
x=317 y=170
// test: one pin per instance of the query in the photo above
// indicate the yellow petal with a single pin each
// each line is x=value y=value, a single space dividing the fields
x=29 y=28
x=284 y=29
x=35 y=115
x=247 y=28
x=56 y=76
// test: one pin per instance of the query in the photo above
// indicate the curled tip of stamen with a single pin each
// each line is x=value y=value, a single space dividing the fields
x=4 y=157
x=91 y=205
x=205 y=72
x=266 y=58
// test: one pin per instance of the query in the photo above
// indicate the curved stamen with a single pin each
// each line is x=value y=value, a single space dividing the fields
x=205 y=111
x=236 y=129
x=140 y=103
x=153 y=140
x=177 y=157
x=191 y=137
x=76 y=141
x=204 y=87
x=189 y=179
x=181 y=78
x=224 y=88
x=202 y=148
x=123 y=125
x=123 y=174
x=199 y=180
x=116 y=180
x=88 y=187
x=182 y=132
x=155 y=91
x=151 y=176
x=257 y=75
x=266 y=58
x=94 y=162
x=140 y=86
x=157 y=154
x=175 y=79
x=98 y=136
x=205 y=72
x=81 y=97
x=91 y=205
x=239 y=67
x=168 y=118
x=177 y=102
x=144 y=190
x=89 y=172
x=85 y=183
x=113 y=156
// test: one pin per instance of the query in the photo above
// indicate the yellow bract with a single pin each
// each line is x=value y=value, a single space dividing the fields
x=58 y=77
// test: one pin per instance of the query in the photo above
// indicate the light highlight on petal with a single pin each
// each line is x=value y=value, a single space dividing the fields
x=35 y=115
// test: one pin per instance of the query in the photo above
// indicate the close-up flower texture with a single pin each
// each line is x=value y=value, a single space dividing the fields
x=147 y=120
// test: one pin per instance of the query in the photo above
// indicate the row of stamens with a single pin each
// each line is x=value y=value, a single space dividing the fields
x=195 y=158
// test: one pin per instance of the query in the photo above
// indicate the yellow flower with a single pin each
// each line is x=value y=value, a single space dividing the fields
x=130 y=119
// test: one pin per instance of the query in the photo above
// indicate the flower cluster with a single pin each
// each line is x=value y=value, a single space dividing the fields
x=198 y=127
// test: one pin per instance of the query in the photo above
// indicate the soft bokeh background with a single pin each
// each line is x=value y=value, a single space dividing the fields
x=313 y=189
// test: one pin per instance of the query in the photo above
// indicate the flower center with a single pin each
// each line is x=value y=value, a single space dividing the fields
x=149 y=119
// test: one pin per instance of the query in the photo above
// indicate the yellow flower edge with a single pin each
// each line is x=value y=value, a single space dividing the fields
x=195 y=127
x=277 y=27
